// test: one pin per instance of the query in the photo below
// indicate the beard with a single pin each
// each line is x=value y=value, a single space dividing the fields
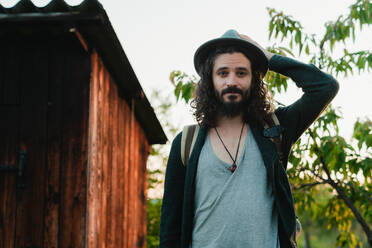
x=232 y=108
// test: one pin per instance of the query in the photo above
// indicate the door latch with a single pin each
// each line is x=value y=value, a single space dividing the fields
x=19 y=170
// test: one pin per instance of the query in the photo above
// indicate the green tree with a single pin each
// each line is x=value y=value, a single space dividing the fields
x=322 y=160
x=163 y=104
x=153 y=222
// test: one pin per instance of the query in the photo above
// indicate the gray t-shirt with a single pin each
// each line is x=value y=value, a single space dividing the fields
x=234 y=209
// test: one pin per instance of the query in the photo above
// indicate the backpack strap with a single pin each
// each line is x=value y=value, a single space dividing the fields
x=188 y=139
x=277 y=139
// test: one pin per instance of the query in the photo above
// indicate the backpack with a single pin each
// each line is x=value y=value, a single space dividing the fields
x=272 y=130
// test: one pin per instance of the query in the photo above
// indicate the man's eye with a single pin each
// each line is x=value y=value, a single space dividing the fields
x=241 y=73
x=222 y=73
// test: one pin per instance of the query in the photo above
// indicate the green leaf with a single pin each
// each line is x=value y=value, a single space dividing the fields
x=287 y=50
x=271 y=28
x=298 y=37
x=187 y=91
x=177 y=90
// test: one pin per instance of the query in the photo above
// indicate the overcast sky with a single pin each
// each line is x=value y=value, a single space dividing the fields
x=161 y=36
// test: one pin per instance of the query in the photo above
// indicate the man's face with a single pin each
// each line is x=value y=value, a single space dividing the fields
x=232 y=78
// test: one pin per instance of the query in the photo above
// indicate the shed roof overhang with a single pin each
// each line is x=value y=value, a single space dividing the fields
x=92 y=23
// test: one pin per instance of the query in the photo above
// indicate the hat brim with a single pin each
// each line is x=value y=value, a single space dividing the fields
x=255 y=55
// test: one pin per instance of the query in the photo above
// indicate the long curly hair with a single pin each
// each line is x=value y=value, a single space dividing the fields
x=207 y=106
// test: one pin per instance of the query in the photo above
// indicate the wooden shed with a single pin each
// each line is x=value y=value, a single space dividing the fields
x=75 y=130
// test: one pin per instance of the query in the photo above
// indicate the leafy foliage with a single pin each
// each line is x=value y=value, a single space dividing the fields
x=159 y=153
x=329 y=161
x=363 y=133
x=163 y=104
x=184 y=85
x=287 y=29
x=322 y=158
x=153 y=222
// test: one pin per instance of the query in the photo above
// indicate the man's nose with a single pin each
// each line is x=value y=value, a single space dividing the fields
x=231 y=80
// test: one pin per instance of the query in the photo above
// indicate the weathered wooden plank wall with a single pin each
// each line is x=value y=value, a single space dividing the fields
x=117 y=154
x=25 y=76
x=65 y=187
x=9 y=141
x=49 y=118
x=74 y=147
x=32 y=128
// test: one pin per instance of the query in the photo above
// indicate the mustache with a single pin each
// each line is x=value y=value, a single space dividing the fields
x=231 y=90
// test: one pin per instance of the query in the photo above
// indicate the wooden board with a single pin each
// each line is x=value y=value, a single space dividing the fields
x=33 y=125
x=74 y=147
x=117 y=167
x=9 y=145
x=48 y=117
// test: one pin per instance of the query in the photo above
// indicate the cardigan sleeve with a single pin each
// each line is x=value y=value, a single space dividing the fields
x=171 y=212
x=318 y=89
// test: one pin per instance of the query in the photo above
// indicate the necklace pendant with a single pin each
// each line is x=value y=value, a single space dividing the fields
x=232 y=168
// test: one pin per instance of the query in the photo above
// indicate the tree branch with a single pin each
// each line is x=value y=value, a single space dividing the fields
x=309 y=185
x=342 y=194
x=356 y=213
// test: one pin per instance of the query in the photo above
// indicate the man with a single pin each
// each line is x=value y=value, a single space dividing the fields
x=234 y=191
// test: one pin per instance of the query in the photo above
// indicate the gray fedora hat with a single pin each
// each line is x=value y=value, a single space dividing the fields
x=231 y=38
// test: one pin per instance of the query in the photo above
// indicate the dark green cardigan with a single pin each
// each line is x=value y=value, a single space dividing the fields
x=178 y=202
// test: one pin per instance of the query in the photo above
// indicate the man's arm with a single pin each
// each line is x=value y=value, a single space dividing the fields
x=319 y=89
x=171 y=212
